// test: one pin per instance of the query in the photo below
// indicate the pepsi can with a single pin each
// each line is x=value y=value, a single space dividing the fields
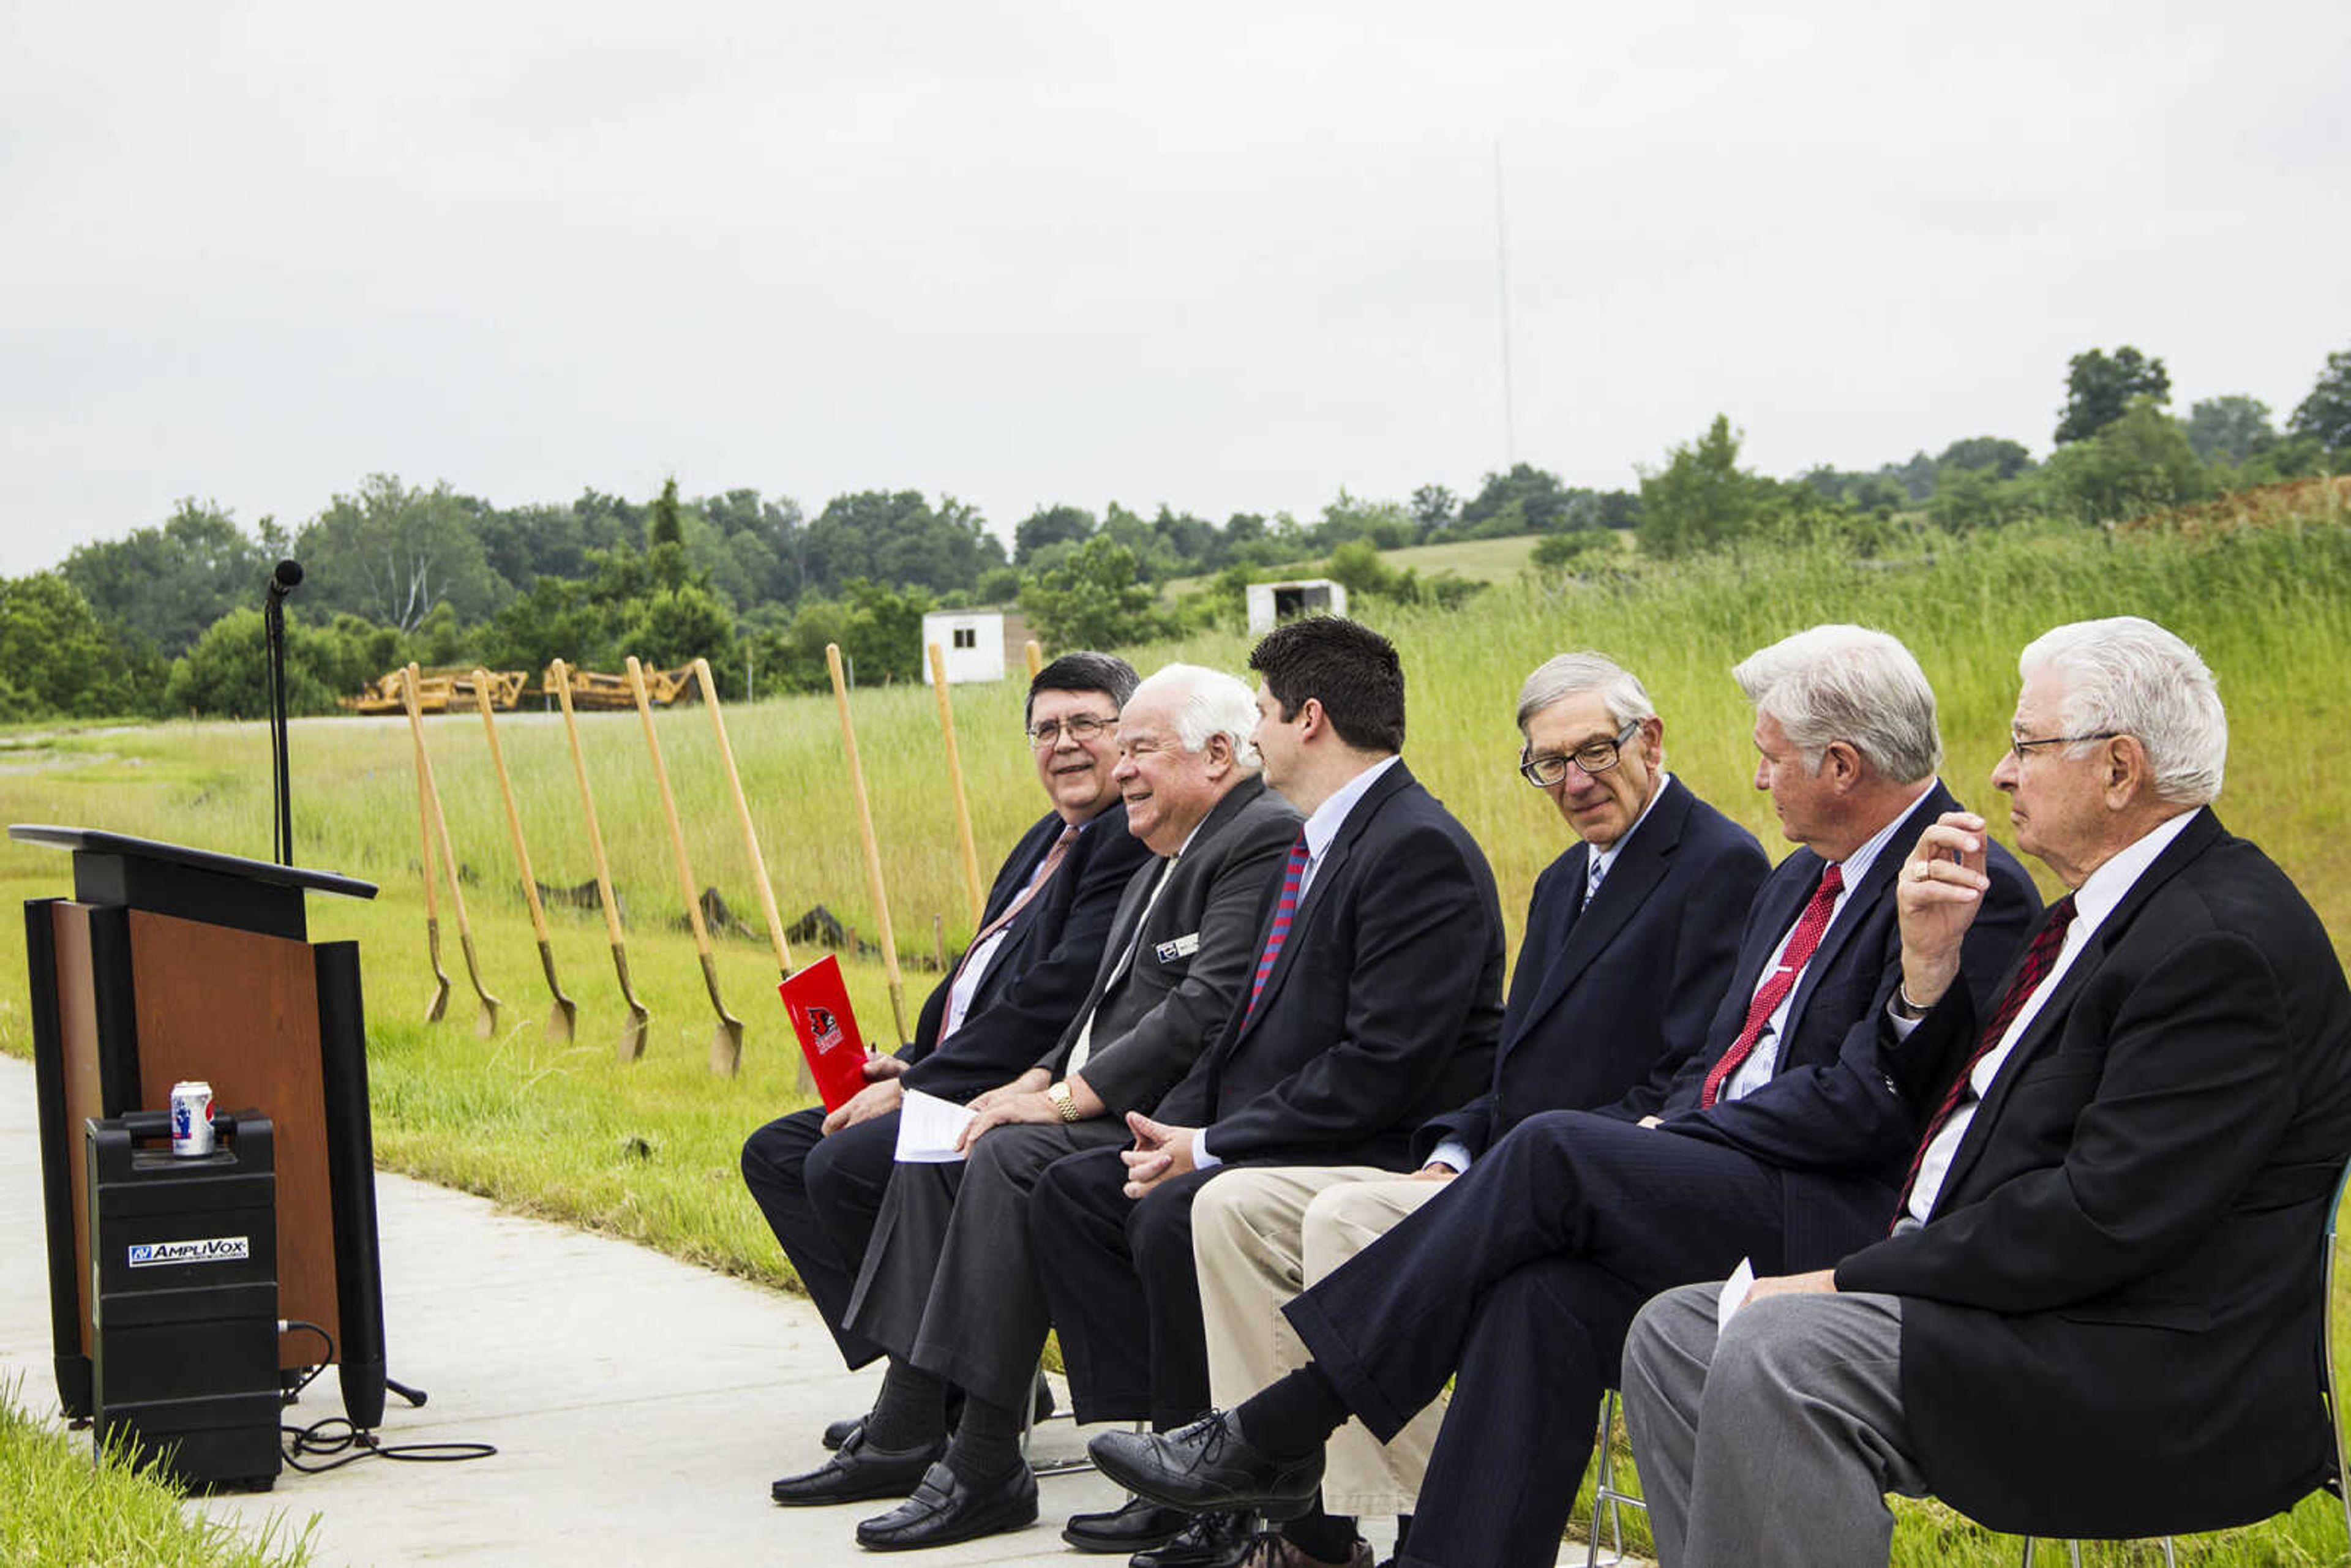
x=192 y=1118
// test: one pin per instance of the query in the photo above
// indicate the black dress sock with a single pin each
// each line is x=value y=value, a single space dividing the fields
x=912 y=1411
x=1292 y=1416
x=1326 y=1537
x=986 y=1444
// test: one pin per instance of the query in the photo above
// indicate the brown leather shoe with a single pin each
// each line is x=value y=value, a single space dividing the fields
x=1272 y=1548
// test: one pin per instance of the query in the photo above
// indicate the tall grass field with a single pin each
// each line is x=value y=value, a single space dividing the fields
x=648 y=1150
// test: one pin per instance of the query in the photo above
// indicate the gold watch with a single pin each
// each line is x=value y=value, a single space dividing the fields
x=1065 y=1103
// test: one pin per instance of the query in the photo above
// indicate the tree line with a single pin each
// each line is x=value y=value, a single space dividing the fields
x=165 y=620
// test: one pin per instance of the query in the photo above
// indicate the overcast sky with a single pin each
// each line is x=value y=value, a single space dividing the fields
x=1223 y=256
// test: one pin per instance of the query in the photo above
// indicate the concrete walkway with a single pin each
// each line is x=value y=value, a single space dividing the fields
x=640 y=1405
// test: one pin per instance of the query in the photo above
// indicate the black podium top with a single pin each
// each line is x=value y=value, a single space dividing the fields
x=192 y=884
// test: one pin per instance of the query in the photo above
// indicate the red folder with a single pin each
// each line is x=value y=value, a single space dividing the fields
x=818 y=1001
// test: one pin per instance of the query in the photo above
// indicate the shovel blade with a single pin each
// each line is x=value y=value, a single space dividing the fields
x=560 y=1019
x=727 y=1048
x=632 y=1045
x=439 y=1005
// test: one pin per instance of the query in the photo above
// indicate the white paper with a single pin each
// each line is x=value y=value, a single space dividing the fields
x=929 y=1128
x=1734 y=1290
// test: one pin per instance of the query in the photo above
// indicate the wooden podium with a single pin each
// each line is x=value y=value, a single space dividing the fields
x=171 y=963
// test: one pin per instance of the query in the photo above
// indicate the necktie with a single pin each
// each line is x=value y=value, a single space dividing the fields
x=1085 y=1046
x=1045 y=870
x=1595 y=874
x=1278 y=932
x=1776 y=985
x=2039 y=959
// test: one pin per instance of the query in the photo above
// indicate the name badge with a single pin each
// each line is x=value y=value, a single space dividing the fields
x=1181 y=947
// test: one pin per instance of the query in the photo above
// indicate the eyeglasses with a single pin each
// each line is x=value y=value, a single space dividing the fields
x=1594 y=756
x=1081 y=727
x=2017 y=748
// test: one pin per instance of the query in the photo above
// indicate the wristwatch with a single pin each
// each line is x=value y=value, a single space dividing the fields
x=1064 y=1102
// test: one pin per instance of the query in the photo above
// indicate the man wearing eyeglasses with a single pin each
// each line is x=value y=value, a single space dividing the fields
x=820 y=1178
x=1783 y=1139
x=1629 y=939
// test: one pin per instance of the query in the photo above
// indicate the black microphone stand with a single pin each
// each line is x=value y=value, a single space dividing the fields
x=273 y=620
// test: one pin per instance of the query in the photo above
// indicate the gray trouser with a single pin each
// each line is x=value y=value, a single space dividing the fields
x=949 y=1282
x=1775 y=1441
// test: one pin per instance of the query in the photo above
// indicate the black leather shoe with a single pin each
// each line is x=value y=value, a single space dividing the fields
x=1207 y=1466
x=1134 y=1525
x=841 y=1431
x=858 y=1472
x=945 y=1509
x=1209 y=1540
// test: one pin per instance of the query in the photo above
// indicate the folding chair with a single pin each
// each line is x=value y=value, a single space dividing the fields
x=1604 y=1490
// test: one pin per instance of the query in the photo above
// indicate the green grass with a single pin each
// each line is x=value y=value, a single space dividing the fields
x=56 y=1507
x=648 y=1151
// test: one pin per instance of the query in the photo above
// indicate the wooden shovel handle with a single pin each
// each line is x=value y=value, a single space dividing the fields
x=955 y=779
x=440 y=819
x=588 y=804
x=513 y=818
x=743 y=813
x=669 y=809
x=865 y=832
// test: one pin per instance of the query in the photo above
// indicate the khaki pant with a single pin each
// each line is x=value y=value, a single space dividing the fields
x=1260 y=1236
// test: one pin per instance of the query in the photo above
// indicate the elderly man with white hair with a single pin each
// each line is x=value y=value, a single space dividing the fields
x=1783 y=1140
x=2097 y=1313
x=948 y=1284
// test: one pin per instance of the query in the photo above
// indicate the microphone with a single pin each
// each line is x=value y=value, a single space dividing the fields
x=284 y=580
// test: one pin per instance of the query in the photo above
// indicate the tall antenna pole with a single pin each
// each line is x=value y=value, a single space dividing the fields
x=1503 y=291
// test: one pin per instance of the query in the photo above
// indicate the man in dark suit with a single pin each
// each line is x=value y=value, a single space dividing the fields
x=1614 y=985
x=1375 y=1005
x=2098 y=1313
x=1783 y=1139
x=818 y=1178
x=948 y=1286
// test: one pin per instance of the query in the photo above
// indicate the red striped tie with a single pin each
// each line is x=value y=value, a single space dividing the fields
x=1278 y=932
x=1809 y=926
x=2039 y=959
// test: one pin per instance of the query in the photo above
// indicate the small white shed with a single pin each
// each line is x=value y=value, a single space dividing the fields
x=973 y=641
x=1270 y=603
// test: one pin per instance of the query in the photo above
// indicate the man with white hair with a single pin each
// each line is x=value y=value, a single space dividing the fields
x=2098 y=1312
x=948 y=1284
x=1783 y=1140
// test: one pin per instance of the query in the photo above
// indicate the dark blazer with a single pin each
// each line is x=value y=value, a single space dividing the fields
x=1604 y=998
x=1044 y=967
x=1832 y=1120
x=1194 y=956
x=2110 y=1321
x=1381 y=1008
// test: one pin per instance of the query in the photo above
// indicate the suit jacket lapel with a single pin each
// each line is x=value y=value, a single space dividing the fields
x=1326 y=877
x=2049 y=1017
x=1638 y=869
x=1859 y=901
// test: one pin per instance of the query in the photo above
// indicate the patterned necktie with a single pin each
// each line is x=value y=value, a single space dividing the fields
x=2039 y=959
x=1776 y=985
x=1045 y=870
x=1278 y=932
x=1595 y=874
